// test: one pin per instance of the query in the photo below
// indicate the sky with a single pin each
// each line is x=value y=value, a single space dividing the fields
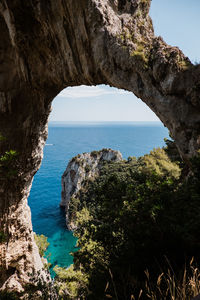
x=178 y=22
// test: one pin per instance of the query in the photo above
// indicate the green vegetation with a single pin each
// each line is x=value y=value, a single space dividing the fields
x=184 y=64
x=42 y=243
x=159 y=162
x=141 y=45
x=140 y=54
x=72 y=283
x=125 y=35
x=8 y=163
x=8 y=157
x=73 y=208
x=140 y=215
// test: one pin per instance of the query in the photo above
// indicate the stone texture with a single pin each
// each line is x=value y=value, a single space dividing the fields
x=48 y=45
x=19 y=257
x=80 y=168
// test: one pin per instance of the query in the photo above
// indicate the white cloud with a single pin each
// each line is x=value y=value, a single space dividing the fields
x=84 y=91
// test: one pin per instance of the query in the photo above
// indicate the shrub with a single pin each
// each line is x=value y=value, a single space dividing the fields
x=42 y=243
x=71 y=284
x=8 y=163
x=138 y=213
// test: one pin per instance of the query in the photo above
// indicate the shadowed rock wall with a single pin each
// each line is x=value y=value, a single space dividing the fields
x=47 y=45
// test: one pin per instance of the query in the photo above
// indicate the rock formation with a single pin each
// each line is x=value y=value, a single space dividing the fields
x=47 y=46
x=80 y=168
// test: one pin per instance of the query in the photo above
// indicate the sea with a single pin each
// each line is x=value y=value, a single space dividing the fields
x=66 y=140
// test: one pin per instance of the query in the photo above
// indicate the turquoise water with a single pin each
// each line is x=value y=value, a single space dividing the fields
x=66 y=140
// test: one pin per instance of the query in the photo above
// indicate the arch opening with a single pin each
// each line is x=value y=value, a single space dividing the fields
x=105 y=125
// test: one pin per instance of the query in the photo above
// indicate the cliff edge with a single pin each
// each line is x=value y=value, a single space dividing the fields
x=80 y=168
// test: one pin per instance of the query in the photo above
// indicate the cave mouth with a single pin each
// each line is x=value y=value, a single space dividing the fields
x=66 y=139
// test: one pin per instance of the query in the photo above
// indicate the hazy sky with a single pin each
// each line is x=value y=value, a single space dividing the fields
x=178 y=22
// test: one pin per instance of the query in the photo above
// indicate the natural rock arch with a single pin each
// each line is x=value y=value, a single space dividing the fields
x=47 y=45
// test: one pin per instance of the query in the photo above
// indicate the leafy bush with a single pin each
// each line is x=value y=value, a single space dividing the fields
x=8 y=157
x=42 y=243
x=159 y=162
x=8 y=163
x=138 y=213
x=71 y=283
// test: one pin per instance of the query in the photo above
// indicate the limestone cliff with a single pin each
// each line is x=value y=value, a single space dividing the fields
x=47 y=46
x=83 y=167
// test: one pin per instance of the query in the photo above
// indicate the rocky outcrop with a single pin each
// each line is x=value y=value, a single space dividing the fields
x=83 y=167
x=49 y=45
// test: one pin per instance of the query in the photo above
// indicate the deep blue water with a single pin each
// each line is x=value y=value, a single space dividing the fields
x=66 y=140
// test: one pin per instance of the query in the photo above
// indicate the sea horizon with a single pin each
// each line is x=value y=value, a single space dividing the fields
x=67 y=139
x=83 y=123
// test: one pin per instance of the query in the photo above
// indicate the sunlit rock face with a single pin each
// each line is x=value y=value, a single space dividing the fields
x=49 y=45
x=83 y=167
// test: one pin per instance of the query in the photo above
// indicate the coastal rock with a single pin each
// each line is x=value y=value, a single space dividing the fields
x=80 y=168
x=19 y=252
x=47 y=46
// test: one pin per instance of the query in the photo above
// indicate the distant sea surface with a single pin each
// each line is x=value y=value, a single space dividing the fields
x=66 y=140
